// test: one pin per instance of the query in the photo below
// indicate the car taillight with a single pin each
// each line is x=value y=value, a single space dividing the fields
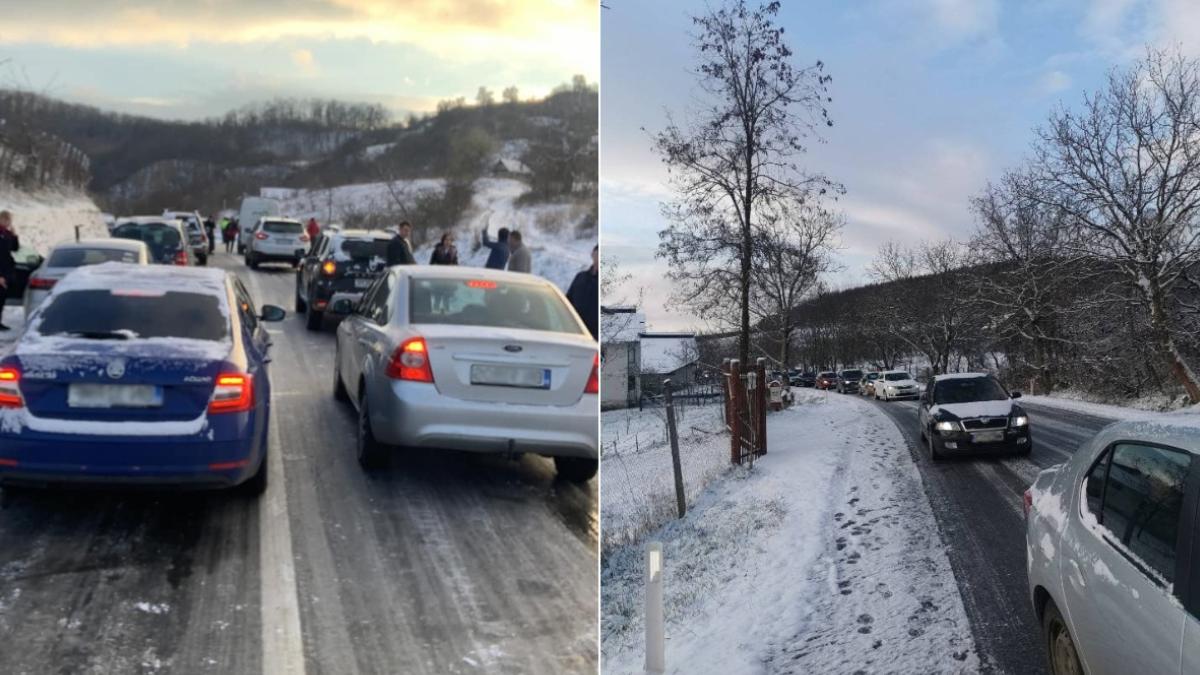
x=410 y=362
x=1028 y=501
x=329 y=268
x=181 y=258
x=260 y=236
x=593 y=383
x=10 y=388
x=234 y=393
x=41 y=283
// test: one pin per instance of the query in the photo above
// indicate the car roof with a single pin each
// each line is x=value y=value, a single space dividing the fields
x=110 y=243
x=884 y=372
x=456 y=272
x=959 y=376
x=280 y=219
x=147 y=220
x=359 y=234
x=204 y=280
x=1178 y=430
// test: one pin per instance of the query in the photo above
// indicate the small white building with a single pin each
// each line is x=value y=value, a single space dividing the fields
x=620 y=356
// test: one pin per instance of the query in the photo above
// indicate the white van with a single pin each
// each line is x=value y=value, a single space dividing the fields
x=253 y=208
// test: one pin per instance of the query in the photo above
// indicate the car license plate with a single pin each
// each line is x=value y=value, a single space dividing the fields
x=987 y=436
x=510 y=376
x=114 y=396
x=362 y=283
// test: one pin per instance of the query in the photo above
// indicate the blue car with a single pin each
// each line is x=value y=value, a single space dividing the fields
x=139 y=375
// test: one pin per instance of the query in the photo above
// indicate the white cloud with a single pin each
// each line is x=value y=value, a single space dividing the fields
x=305 y=60
x=966 y=19
x=1053 y=82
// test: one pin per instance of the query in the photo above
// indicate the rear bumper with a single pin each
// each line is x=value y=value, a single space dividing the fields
x=414 y=414
x=277 y=255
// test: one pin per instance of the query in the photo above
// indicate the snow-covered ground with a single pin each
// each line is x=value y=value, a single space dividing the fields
x=549 y=230
x=1115 y=412
x=45 y=218
x=825 y=558
x=639 y=483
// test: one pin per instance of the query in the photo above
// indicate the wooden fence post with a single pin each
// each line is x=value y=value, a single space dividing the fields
x=761 y=419
x=680 y=502
x=735 y=418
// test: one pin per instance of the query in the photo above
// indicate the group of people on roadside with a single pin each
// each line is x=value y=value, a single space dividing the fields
x=229 y=233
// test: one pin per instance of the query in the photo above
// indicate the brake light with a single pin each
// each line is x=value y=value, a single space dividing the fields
x=181 y=258
x=593 y=383
x=410 y=362
x=41 y=283
x=234 y=393
x=10 y=388
x=1028 y=501
x=481 y=283
x=260 y=236
x=329 y=268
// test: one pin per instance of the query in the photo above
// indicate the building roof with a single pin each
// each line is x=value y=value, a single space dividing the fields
x=664 y=353
x=621 y=324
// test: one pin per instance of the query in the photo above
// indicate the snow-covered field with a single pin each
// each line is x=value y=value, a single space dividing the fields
x=639 y=483
x=549 y=230
x=45 y=218
x=825 y=558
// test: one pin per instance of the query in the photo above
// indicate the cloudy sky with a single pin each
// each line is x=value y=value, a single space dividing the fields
x=197 y=58
x=932 y=98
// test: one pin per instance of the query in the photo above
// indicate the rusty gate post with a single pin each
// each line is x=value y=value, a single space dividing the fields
x=761 y=421
x=735 y=417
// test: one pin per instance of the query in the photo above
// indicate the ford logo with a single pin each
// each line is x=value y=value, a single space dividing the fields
x=116 y=369
x=513 y=348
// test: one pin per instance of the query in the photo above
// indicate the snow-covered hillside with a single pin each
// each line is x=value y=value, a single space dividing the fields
x=548 y=229
x=45 y=218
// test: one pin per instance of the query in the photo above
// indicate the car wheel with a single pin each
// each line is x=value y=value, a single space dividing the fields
x=1060 y=646
x=203 y=261
x=256 y=484
x=934 y=453
x=371 y=453
x=241 y=249
x=301 y=305
x=339 y=387
x=576 y=469
x=314 y=320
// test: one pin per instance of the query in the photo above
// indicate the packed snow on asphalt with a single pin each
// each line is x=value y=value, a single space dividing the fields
x=824 y=557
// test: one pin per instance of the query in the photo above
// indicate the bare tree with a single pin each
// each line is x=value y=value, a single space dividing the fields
x=1126 y=171
x=738 y=154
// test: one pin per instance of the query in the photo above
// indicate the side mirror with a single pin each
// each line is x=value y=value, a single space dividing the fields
x=342 y=306
x=272 y=313
x=1016 y=394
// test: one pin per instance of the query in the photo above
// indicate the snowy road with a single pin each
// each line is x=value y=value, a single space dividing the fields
x=977 y=503
x=437 y=564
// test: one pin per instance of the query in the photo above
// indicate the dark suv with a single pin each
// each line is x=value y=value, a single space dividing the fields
x=848 y=381
x=972 y=412
x=342 y=263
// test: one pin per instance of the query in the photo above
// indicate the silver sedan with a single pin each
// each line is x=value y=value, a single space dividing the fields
x=1113 y=546
x=68 y=256
x=469 y=359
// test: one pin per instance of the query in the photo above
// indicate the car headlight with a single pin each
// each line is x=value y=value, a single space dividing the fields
x=946 y=426
x=1020 y=421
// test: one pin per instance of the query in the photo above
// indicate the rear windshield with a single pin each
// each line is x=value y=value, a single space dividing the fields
x=852 y=374
x=160 y=237
x=828 y=375
x=872 y=376
x=495 y=304
x=113 y=314
x=365 y=249
x=967 y=390
x=279 y=227
x=78 y=257
x=896 y=377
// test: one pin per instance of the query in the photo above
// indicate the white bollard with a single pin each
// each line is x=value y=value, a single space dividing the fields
x=655 y=647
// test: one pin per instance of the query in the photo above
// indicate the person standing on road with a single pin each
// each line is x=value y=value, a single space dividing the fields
x=229 y=236
x=8 y=266
x=445 y=253
x=210 y=228
x=399 y=249
x=499 y=254
x=313 y=230
x=584 y=294
x=519 y=259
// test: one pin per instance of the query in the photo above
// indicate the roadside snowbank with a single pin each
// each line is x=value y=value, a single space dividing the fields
x=43 y=219
x=1103 y=410
x=824 y=558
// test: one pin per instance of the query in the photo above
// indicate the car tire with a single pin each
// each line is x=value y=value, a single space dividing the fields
x=1061 y=654
x=256 y=484
x=314 y=320
x=371 y=453
x=934 y=453
x=301 y=305
x=241 y=249
x=576 y=469
x=203 y=260
x=339 y=386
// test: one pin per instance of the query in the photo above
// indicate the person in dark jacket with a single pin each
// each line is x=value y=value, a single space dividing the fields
x=498 y=258
x=584 y=294
x=445 y=253
x=8 y=266
x=210 y=228
x=399 y=250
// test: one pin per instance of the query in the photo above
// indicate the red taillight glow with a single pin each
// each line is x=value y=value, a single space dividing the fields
x=10 y=388
x=410 y=362
x=7 y=462
x=1028 y=501
x=260 y=236
x=40 y=283
x=234 y=393
x=481 y=283
x=225 y=466
x=329 y=268
x=181 y=258
x=593 y=383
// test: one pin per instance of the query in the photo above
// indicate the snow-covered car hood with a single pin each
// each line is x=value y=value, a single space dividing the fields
x=975 y=409
x=897 y=383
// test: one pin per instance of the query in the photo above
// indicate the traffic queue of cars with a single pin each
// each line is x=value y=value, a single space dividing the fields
x=136 y=369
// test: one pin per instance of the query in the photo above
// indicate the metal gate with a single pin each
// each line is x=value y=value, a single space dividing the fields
x=745 y=409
